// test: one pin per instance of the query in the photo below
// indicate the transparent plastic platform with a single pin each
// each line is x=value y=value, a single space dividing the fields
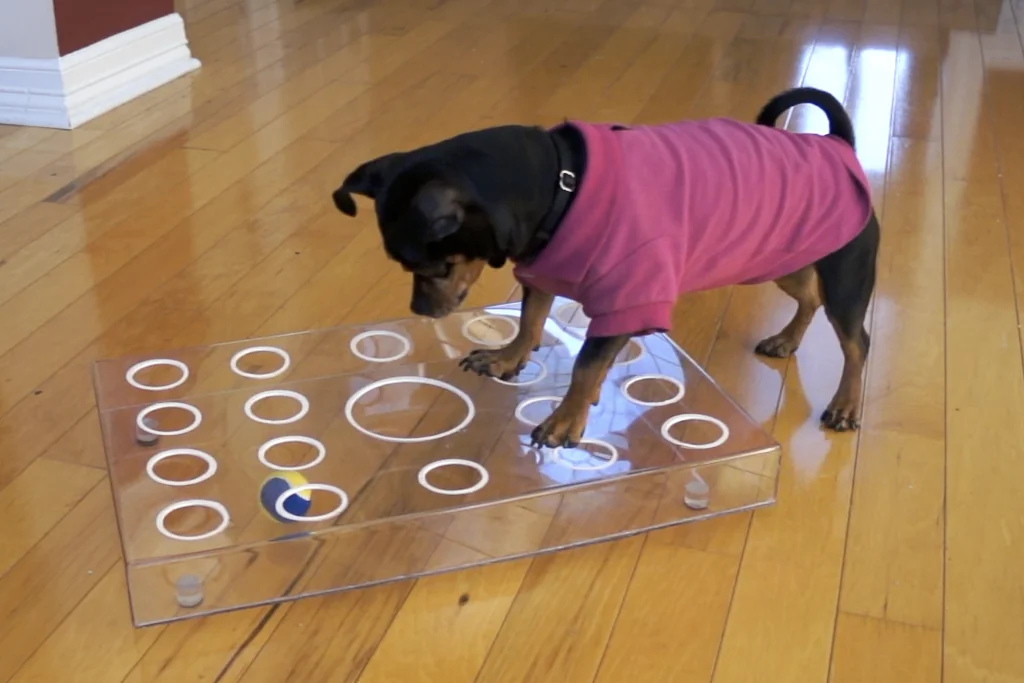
x=386 y=461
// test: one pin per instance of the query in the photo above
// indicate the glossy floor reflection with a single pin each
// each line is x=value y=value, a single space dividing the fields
x=200 y=213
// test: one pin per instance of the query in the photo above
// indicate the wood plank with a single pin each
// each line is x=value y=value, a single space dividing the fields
x=882 y=650
x=47 y=583
x=985 y=391
x=446 y=626
x=94 y=643
x=36 y=501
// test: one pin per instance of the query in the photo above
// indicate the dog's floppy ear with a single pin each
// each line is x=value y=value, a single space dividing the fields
x=366 y=180
x=444 y=207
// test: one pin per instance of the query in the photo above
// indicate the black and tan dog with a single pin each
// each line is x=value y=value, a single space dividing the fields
x=501 y=194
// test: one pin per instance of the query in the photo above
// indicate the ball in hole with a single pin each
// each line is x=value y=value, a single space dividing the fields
x=275 y=486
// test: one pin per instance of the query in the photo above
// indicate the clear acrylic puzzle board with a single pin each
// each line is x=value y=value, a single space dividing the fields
x=239 y=412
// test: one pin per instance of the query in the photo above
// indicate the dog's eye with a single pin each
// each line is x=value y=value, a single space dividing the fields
x=440 y=272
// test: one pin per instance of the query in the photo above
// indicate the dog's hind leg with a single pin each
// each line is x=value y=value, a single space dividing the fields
x=805 y=287
x=847 y=282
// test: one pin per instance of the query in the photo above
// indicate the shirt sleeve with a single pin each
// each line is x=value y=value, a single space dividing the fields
x=637 y=295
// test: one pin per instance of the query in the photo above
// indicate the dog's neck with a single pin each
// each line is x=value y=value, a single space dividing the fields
x=563 y=176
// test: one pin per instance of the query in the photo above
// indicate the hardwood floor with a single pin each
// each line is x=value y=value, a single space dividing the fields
x=201 y=213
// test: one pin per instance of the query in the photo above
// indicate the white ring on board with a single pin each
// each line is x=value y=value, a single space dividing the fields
x=680 y=389
x=280 y=353
x=308 y=440
x=129 y=376
x=557 y=314
x=342 y=502
x=427 y=469
x=690 y=417
x=197 y=418
x=541 y=375
x=529 y=402
x=256 y=398
x=473 y=338
x=613 y=456
x=429 y=381
x=219 y=508
x=354 y=346
x=211 y=466
x=643 y=352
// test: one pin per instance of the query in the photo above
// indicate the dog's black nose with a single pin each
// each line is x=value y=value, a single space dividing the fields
x=420 y=307
x=425 y=306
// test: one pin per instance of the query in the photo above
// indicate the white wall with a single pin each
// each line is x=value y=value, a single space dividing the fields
x=27 y=29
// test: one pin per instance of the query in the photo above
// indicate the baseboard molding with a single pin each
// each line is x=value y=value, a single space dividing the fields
x=66 y=92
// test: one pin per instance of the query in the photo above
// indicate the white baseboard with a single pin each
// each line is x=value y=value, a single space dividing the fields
x=66 y=92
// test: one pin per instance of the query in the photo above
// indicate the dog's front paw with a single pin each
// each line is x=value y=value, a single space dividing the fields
x=564 y=427
x=842 y=414
x=505 y=363
x=777 y=346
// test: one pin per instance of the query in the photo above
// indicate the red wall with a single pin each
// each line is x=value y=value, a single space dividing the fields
x=81 y=23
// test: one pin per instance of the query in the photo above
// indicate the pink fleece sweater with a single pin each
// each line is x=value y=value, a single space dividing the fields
x=664 y=210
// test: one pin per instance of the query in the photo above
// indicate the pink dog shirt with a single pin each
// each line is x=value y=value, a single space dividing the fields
x=664 y=210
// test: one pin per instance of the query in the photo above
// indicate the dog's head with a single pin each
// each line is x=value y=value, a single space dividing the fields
x=433 y=222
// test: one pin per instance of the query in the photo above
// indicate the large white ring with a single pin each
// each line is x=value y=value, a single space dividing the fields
x=687 y=417
x=473 y=338
x=354 y=346
x=256 y=398
x=161 y=518
x=529 y=402
x=308 y=440
x=197 y=418
x=470 y=408
x=281 y=353
x=543 y=373
x=557 y=315
x=680 y=390
x=129 y=376
x=427 y=469
x=211 y=466
x=643 y=352
x=613 y=452
x=342 y=502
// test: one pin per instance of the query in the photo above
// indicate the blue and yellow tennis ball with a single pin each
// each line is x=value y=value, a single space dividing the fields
x=275 y=486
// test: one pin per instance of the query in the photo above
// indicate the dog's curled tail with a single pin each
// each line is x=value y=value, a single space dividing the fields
x=839 y=123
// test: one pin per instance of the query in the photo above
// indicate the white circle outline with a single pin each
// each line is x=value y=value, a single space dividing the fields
x=270 y=393
x=161 y=518
x=354 y=346
x=639 y=356
x=529 y=402
x=687 y=417
x=196 y=415
x=211 y=466
x=543 y=373
x=564 y=323
x=308 y=440
x=613 y=453
x=427 y=469
x=514 y=321
x=280 y=353
x=681 y=389
x=129 y=375
x=342 y=502
x=411 y=379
